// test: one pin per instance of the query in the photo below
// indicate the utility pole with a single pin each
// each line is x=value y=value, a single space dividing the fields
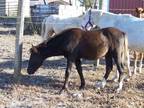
x=18 y=41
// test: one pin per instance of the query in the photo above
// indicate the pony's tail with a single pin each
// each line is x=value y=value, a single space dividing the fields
x=126 y=58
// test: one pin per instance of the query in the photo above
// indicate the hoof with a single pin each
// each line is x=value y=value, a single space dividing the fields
x=115 y=79
x=78 y=95
x=127 y=79
x=63 y=90
x=118 y=90
x=100 y=85
x=81 y=88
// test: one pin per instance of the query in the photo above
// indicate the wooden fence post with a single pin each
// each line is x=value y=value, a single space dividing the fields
x=19 y=36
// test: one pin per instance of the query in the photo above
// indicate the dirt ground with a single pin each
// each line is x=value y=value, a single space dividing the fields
x=41 y=89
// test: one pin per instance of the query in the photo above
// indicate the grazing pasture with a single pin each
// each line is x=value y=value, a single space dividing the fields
x=41 y=89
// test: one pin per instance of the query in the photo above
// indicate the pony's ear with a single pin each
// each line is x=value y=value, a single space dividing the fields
x=44 y=44
x=34 y=49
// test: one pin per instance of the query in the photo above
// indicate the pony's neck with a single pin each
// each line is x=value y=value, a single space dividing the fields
x=52 y=48
x=50 y=51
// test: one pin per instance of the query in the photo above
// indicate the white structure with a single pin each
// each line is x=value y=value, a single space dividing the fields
x=76 y=3
x=27 y=8
x=70 y=11
x=105 y=5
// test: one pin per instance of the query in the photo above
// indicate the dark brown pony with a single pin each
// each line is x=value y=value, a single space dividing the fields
x=75 y=44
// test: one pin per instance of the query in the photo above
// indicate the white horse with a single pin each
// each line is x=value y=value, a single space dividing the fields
x=132 y=26
x=56 y=24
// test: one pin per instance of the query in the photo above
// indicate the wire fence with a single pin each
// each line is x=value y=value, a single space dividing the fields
x=33 y=19
x=8 y=8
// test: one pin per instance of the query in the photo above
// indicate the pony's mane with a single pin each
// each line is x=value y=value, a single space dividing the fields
x=56 y=36
x=43 y=44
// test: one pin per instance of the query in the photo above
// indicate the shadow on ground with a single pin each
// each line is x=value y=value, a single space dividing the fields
x=7 y=81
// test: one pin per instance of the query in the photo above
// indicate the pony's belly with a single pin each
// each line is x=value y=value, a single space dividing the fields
x=93 y=55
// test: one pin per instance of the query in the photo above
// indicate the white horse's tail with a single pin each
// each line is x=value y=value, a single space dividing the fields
x=126 y=57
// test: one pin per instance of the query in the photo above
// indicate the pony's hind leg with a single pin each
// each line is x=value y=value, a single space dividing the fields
x=116 y=76
x=79 y=69
x=109 y=66
x=120 y=68
x=128 y=64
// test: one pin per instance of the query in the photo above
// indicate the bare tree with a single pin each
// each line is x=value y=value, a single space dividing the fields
x=87 y=3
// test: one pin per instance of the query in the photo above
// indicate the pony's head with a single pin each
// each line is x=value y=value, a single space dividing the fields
x=36 y=60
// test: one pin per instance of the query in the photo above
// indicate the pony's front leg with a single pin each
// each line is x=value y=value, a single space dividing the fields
x=67 y=72
x=79 y=69
x=109 y=66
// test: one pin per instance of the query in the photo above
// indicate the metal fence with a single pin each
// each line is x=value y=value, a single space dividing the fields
x=8 y=15
x=125 y=6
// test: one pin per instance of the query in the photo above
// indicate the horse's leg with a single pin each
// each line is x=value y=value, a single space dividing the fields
x=46 y=30
x=42 y=28
x=67 y=72
x=96 y=64
x=141 y=60
x=120 y=67
x=135 y=61
x=79 y=69
x=116 y=77
x=109 y=66
x=128 y=66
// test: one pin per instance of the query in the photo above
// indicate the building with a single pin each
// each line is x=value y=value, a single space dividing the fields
x=64 y=2
x=10 y=7
x=125 y=6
